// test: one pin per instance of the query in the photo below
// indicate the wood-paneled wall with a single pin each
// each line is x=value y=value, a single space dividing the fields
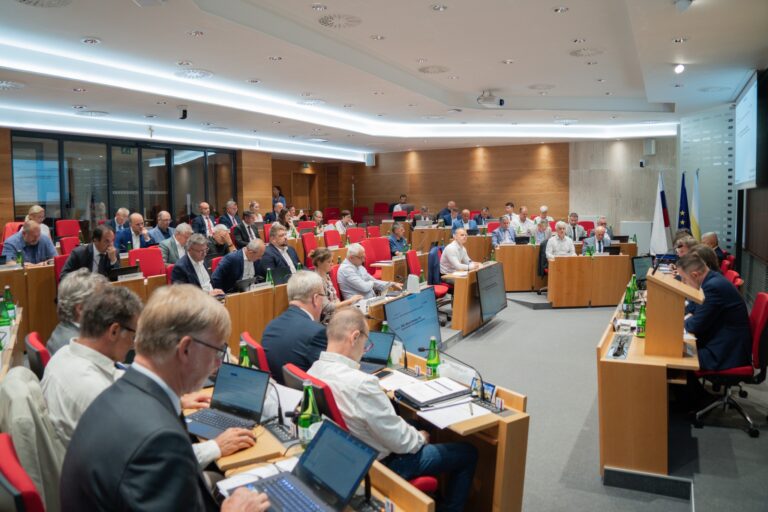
x=254 y=179
x=303 y=186
x=6 y=178
x=529 y=175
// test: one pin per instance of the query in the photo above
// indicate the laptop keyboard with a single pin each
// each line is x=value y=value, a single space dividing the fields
x=285 y=494
x=219 y=420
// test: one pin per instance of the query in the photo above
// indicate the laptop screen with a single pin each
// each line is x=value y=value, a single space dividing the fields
x=335 y=462
x=382 y=346
x=640 y=266
x=240 y=390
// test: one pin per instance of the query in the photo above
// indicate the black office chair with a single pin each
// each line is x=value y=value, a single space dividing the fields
x=543 y=266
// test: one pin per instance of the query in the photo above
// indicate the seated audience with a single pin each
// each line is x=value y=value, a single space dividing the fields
x=708 y=256
x=246 y=231
x=322 y=260
x=317 y=218
x=285 y=220
x=455 y=257
x=296 y=216
x=354 y=279
x=162 y=230
x=464 y=222
x=453 y=216
x=423 y=214
x=503 y=234
x=99 y=256
x=574 y=230
x=72 y=292
x=220 y=244
x=524 y=226
x=684 y=244
x=596 y=243
x=230 y=217
x=130 y=450
x=256 y=209
x=509 y=212
x=137 y=236
x=175 y=247
x=191 y=267
x=398 y=244
x=238 y=265
x=721 y=323
x=34 y=248
x=602 y=221
x=345 y=222
x=543 y=214
x=278 y=253
x=369 y=415
x=272 y=216
x=445 y=213
x=204 y=223
x=710 y=240
x=481 y=219
x=543 y=231
x=297 y=336
x=120 y=221
x=560 y=244
x=37 y=214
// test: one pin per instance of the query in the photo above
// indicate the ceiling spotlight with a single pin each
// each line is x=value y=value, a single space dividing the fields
x=79 y=89
x=92 y=41
x=560 y=10
x=7 y=85
x=316 y=101
x=421 y=60
x=150 y=116
x=679 y=69
x=275 y=58
x=92 y=113
x=579 y=40
x=254 y=81
x=79 y=107
x=196 y=33
x=377 y=37
x=317 y=139
x=439 y=7
x=591 y=63
x=275 y=122
x=161 y=102
x=507 y=61
x=601 y=80
x=682 y=5
x=680 y=40
x=453 y=77
x=319 y=7
x=183 y=63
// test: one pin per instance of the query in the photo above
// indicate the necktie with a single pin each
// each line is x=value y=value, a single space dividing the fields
x=208 y=226
x=100 y=267
x=599 y=246
x=250 y=233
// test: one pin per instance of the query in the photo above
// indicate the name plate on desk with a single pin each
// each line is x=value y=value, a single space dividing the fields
x=130 y=277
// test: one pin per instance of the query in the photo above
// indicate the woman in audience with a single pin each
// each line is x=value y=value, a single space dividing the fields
x=256 y=209
x=322 y=261
x=37 y=214
x=284 y=219
x=277 y=196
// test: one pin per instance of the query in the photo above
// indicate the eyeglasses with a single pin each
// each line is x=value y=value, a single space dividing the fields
x=368 y=343
x=221 y=352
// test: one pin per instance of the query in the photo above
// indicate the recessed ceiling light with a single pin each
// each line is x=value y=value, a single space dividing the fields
x=453 y=77
x=92 y=113
x=92 y=41
x=348 y=105
x=215 y=128
x=378 y=93
x=150 y=116
x=161 y=102
x=679 y=69
x=591 y=63
x=314 y=101
x=433 y=70
x=421 y=60
x=7 y=85
x=193 y=73
x=566 y=122
x=608 y=93
x=579 y=40
x=680 y=40
x=339 y=21
x=432 y=118
x=196 y=33
x=79 y=107
x=317 y=139
x=306 y=94
x=183 y=63
x=254 y=81
x=601 y=80
x=377 y=37
x=454 y=110
x=585 y=52
x=319 y=7
x=507 y=61
x=79 y=89
x=275 y=58
x=560 y=10
x=439 y=7
x=275 y=122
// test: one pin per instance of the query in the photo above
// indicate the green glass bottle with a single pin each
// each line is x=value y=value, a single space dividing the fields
x=627 y=306
x=128 y=246
x=10 y=304
x=421 y=276
x=244 y=358
x=20 y=259
x=309 y=418
x=299 y=266
x=338 y=260
x=269 y=278
x=532 y=240
x=633 y=283
x=641 y=323
x=493 y=255
x=5 y=319
x=634 y=238
x=433 y=359
x=385 y=328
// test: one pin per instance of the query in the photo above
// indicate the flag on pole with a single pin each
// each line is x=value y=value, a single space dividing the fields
x=660 y=227
x=695 y=227
x=683 y=217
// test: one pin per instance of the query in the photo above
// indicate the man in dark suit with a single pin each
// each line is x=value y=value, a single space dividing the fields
x=191 y=268
x=137 y=235
x=598 y=242
x=710 y=240
x=274 y=214
x=481 y=219
x=230 y=217
x=278 y=253
x=232 y=268
x=120 y=222
x=98 y=256
x=297 y=336
x=246 y=232
x=203 y=223
x=445 y=213
x=146 y=461
x=721 y=323
x=175 y=247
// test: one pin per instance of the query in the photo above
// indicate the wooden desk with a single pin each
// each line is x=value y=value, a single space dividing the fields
x=520 y=262
x=13 y=347
x=466 y=314
x=478 y=248
x=580 y=281
x=143 y=287
x=34 y=289
x=610 y=275
x=251 y=311
x=423 y=238
x=16 y=278
x=633 y=405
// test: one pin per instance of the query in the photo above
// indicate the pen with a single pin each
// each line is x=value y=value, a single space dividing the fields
x=471 y=410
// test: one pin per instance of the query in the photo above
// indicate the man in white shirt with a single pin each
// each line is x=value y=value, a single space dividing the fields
x=543 y=214
x=400 y=205
x=455 y=257
x=174 y=248
x=369 y=414
x=574 y=230
x=560 y=245
x=345 y=222
x=509 y=212
x=191 y=267
x=354 y=279
x=203 y=223
x=524 y=226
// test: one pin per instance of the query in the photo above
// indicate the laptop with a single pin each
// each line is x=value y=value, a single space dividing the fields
x=237 y=401
x=612 y=250
x=423 y=223
x=522 y=240
x=280 y=275
x=473 y=232
x=622 y=239
x=376 y=358
x=243 y=285
x=640 y=267
x=325 y=477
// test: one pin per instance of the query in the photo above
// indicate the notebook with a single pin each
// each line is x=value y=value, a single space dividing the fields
x=376 y=358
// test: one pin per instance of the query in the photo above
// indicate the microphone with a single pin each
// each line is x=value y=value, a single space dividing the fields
x=658 y=262
x=480 y=377
x=279 y=405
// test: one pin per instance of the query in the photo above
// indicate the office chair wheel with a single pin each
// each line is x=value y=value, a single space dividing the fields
x=742 y=393
x=753 y=432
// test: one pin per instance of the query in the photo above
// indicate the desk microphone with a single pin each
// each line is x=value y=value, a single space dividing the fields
x=658 y=262
x=480 y=377
x=279 y=405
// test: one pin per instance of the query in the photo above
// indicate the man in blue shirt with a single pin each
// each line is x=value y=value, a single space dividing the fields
x=34 y=248
x=503 y=234
x=398 y=245
x=162 y=230
x=463 y=222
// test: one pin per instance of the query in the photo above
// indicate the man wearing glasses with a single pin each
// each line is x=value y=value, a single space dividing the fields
x=297 y=336
x=354 y=279
x=131 y=448
x=191 y=269
x=370 y=416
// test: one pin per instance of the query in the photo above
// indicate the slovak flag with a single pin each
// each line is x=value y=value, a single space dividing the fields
x=660 y=236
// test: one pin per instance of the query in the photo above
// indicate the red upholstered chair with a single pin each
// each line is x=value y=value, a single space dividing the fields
x=355 y=235
x=414 y=267
x=473 y=213
x=725 y=266
x=331 y=222
x=168 y=273
x=58 y=265
x=67 y=227
x=373 y=231
x=334 y=273
x=232 y=235
x=588 y=225
x=492 y=226
x=376 y=249
x=731 y=275
x=380 y=208
x=255 y=352
x=751 y=374
x=306 y=224
x=331 y=212
x=332 y=238
x=309 y=242
x=11 y=228
x=37 y=354
x=267 y=227
x=150 y=260
x=359 y=213
x=552 y=225
x=399 y=215
x=16 y=480
x=294 y=377
x=414 y=213
x=215 y=263
x=68 y=243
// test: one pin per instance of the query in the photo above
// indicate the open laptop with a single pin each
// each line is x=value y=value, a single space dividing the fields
x=640 y=267
x=613 y=250
x=242 y=285
x=326 y=476
x=376 y=358
x=280 y=275
x=423 y=223
x=522 y=240
x=238 y=400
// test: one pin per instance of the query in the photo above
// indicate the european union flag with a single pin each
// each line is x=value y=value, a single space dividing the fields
x=683 y=218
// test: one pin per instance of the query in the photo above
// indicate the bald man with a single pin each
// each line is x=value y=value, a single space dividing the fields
x=162 y=230
x=137 y=236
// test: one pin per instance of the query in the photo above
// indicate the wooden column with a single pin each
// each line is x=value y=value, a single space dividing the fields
x=6 y=178
x=254 y=179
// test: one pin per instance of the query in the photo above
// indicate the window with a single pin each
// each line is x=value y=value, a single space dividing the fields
x=188 y=182
x=219 y=178
x=154 y=169
x=85 y=181
x=36 y=176
x=125 y=178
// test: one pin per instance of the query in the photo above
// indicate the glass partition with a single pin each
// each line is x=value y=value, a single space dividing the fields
x=36 y=176
x=85 y=181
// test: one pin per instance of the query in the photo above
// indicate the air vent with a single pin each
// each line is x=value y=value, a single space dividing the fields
x=339 y=21
x=7 y=85
x=45 y=3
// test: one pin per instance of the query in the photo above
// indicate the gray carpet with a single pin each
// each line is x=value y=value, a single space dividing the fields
x=549 y=355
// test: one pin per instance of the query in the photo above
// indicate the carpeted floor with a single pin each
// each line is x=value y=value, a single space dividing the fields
x=549 y=355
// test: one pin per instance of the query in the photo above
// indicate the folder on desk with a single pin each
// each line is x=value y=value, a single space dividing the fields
x=430 y=392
